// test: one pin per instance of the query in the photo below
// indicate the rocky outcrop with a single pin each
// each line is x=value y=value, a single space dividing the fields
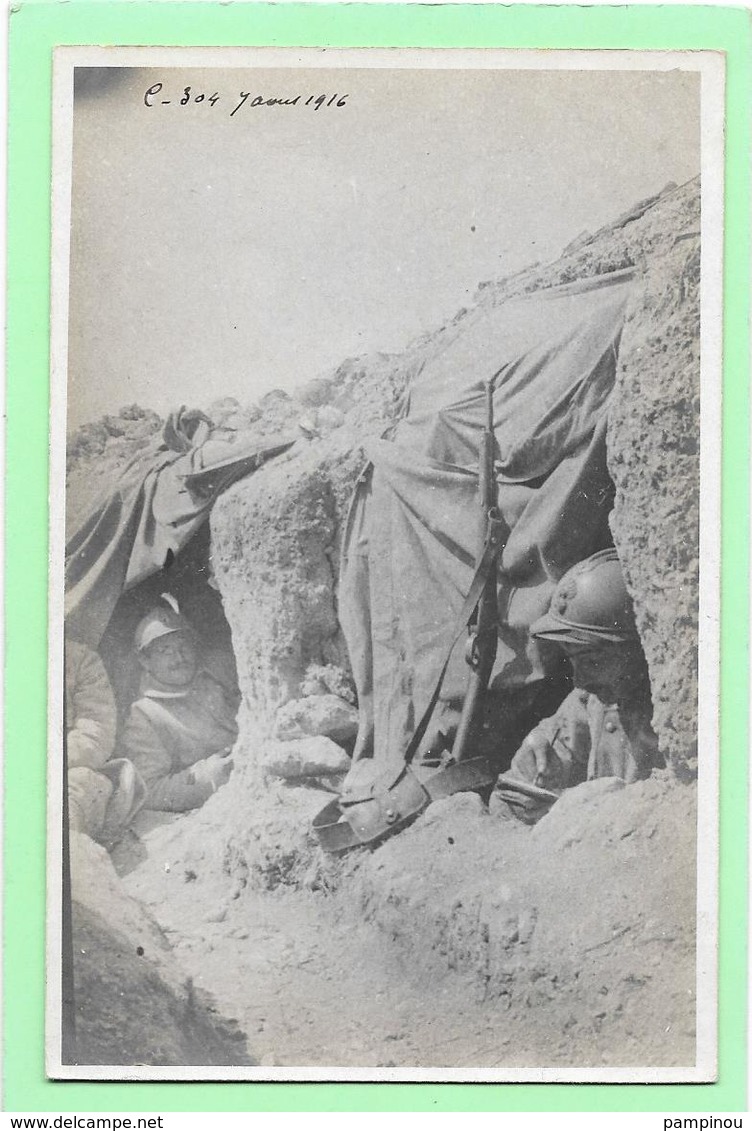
x=276 y=541
x=310 y=757
x=654 y=452
x=317 y=714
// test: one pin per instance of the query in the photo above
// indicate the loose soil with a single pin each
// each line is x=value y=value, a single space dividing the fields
x=467 y=941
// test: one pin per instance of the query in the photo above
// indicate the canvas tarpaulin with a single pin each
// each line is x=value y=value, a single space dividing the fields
x=410 y=545
x=160 y=500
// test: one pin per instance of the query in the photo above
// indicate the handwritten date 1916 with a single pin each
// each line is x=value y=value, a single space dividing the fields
x=153 y=97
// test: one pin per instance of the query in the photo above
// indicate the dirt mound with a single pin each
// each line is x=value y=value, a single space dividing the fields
x=570 y=928
x=134 y=1003
x=127 y=1014
x=474 y=940
x=212 y=858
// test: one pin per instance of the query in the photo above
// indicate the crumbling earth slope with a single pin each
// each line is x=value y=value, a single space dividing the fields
x=133 y=1002
x=127 y=1014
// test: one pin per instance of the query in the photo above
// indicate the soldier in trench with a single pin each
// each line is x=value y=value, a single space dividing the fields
x=180 y=731
x=603 y=727
x=104 y=793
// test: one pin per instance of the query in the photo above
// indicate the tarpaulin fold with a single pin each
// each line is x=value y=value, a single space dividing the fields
x=160 y=500
x=410 y=543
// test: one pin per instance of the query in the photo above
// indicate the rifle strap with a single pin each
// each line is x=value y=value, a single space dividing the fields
x=495 y=542
x=342 y=825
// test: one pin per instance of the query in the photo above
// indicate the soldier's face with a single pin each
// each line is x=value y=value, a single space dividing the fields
x=609 y=671
x=171 y=660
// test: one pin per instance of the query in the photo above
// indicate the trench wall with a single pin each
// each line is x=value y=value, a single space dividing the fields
x=653 y=444
x=276 y=535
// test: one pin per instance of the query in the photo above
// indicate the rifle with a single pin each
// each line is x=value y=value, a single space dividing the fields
x=367 y=819
x=483 y=639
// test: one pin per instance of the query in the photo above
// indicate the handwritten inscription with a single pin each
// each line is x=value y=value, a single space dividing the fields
x=244 y=100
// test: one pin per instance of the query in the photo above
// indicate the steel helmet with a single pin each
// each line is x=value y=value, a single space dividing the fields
x=590 y=605
x=159 y=621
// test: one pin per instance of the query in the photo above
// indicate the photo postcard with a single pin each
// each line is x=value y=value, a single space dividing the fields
x=384 y=564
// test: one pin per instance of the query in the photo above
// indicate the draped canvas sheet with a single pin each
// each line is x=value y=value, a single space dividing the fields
x=410 y=546
x=160 y=500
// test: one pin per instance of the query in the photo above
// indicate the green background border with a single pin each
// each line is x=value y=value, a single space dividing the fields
x=35 y=28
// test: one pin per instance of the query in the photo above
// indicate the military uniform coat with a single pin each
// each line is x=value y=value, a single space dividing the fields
x=596 y=740
x=90 y=712
x=167 y=734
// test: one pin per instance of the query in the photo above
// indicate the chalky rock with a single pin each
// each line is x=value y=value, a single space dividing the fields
x=222 y=408
x=328 y=418
x=325 y=679
x=305 y=758
x=316 y=392
x=317 y=715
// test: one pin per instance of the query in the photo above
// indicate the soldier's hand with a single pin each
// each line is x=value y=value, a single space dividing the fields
x=537 y=762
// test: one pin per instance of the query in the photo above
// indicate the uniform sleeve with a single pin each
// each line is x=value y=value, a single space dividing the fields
x=92 y=721
x=175 y=792
x=568 y=733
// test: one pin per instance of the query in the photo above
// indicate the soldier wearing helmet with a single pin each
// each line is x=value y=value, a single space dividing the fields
x=602 y=729
x=180 y=731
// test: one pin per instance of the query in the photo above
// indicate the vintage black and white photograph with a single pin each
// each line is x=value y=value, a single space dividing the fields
x=384 y=565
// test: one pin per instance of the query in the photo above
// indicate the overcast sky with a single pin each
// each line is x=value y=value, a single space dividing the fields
x=214 y=255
